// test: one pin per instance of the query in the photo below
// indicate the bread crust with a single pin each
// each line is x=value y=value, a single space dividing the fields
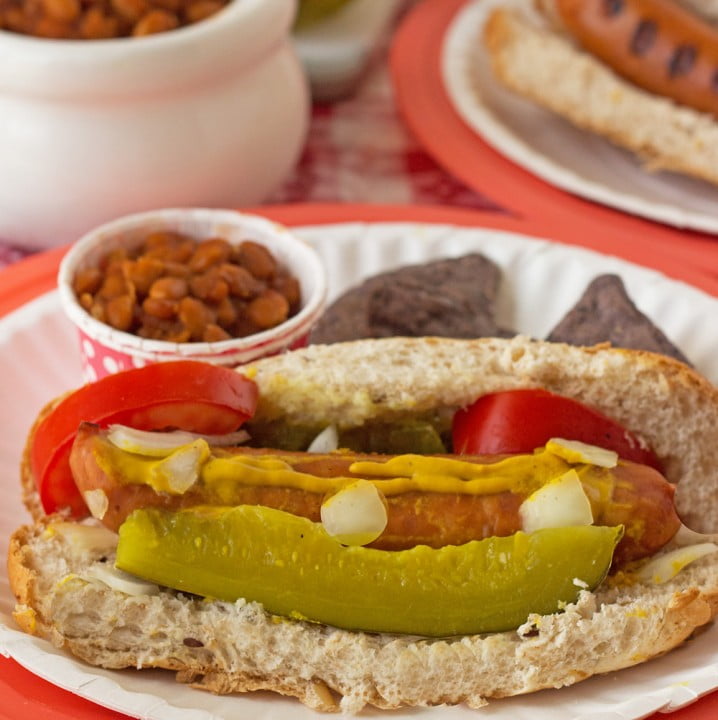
x=544 y=66
x=237 y=647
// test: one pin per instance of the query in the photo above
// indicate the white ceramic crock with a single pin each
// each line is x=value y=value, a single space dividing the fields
x=213 y=114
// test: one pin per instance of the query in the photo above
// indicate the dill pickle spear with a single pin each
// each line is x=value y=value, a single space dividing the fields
x=291 y=566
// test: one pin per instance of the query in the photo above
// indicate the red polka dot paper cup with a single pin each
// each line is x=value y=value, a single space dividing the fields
x=106 y=350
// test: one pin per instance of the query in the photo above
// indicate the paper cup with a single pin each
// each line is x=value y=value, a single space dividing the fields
x=105 y=350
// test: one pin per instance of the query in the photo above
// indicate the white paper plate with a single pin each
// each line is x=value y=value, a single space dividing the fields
x=553 y=149
x=39 y=360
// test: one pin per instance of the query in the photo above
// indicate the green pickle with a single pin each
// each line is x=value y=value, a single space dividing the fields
x=291 y=566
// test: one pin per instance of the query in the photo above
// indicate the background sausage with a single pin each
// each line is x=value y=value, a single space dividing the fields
x=656 y=44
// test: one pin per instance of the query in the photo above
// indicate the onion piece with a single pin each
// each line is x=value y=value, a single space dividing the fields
x=97 y=502
x=559 y=503
x=664 y=567
x=162 y=444
x=179 y=471
x=326 y=441
x=121 y=581
x=86 y=538
x=356 y=515
x=574 y=451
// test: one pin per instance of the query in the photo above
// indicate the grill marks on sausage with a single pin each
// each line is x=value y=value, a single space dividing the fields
x=684 y=56
x=644 y=36
x=611 y=8
x=682 y=60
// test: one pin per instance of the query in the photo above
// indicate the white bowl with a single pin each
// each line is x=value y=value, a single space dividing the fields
x=213 y=114
x=105 y=351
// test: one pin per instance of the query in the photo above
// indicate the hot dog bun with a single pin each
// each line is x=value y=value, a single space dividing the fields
x=533 y=58
x=245 y=649
x=226 y=647
x=674 y=409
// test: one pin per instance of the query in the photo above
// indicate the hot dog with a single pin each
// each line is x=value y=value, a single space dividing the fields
x=64 y=590
x=656 y=44
x=642 y=73
x=633 y=495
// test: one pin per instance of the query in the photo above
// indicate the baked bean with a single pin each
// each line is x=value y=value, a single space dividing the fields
x=160 y=307
x=172 y=287
x=268 y=309
x=195 y=316
x=288 y=286
x=88 y=280
x=95 y=25
x=209 y=252
x=114 y=285
x=98 y=311
x=226 y=313
x=143 y=272
x=49 y=27
x=240 y=281
x=130 y=10
x=214 y=333
x=174 y=6
x=178 y=269
x=119 y=311
x=209 y=286
x=160 y=239
x=169 y=288
x=257 y=259
x=201 y=10
x=63 y=10
x=155 y=21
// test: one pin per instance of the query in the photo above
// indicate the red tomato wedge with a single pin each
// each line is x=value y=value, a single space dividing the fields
x=188 y=395
x=519 y=421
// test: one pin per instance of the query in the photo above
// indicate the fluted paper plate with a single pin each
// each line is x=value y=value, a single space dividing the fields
x=541 y=280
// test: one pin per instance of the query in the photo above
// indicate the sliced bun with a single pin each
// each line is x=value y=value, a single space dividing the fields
x=546 y=67
x=674 y=409
x=225 y=647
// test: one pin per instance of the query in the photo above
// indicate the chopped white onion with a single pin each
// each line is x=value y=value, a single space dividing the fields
x=120 y=580
x=97 y=502
x=161 y=444
x=574 y=451
x=665 y=567
x=559 y=503
x=179 y=471
x=87 y=538
x=356 y=515
x=326 y=441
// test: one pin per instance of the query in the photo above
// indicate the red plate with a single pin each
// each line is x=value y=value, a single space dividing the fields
x=24 y=695
x=427 y=110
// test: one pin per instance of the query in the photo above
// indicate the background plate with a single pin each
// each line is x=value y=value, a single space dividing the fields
x=39 y=359
x=423 y=100
x=552 y=148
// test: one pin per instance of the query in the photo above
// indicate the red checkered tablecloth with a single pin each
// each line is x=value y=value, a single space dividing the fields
x=359 y=151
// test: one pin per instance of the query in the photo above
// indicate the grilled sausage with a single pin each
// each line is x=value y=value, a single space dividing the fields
x=656 y=44
x=636 y=496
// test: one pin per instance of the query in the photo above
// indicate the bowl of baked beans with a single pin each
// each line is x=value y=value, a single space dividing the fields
x=111 y=107
x=220 y=286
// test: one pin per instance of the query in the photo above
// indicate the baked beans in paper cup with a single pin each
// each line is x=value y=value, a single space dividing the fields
x=105 y=349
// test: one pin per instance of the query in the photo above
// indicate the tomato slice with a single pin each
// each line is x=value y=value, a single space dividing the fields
x=185 y=394
x=519 y=421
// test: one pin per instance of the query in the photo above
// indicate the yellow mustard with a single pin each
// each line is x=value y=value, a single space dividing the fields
x=222 y=472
